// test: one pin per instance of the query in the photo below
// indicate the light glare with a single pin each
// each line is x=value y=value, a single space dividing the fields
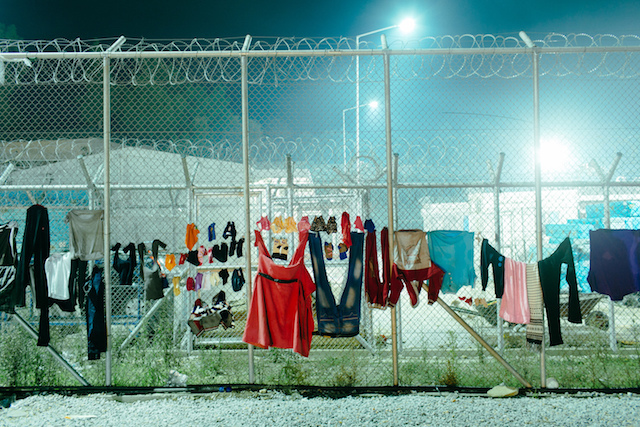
x=373 y=104
x=407 y=25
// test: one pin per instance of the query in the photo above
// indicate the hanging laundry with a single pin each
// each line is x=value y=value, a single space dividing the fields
x=535 y=328
x=191 y=237
x=212 y=231
x=277 y=226
x=36 y=244
x=229 y=231
x=514 y=307
x=264 y=224
x=318 y=224
x=125 y=268
x=58 y=269
x=357 y=224
x=489 y=256
x=303 y=224
x=9 y=291
x=549 y=270
x=343 y=319
x=290 y=225
x=176 y=285
x=412 y=268
x=345 y=224
x=224 y=275
x=452 y=251
x=86 y=235
x=96 y=319
x=153 y=283
x=170 y=261
x=142 y=250
x=615 y=262
x=237 y=280
x=376 y=288
x=280 y=313
x=332 y=225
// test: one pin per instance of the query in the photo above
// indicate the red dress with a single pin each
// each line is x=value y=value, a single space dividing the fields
x=280 y=314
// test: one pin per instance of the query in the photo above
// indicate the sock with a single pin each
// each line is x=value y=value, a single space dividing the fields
x=212 y=231
x=328 y=250
x=232 y=247
x=176 y=285
x=239 y=248
x=284 y=249
x=343 y=250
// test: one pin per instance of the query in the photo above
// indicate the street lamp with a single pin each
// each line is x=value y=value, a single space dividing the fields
x=373 y=105
x=407 y=25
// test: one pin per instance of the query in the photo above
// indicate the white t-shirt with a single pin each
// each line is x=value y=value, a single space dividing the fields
x=58 y=269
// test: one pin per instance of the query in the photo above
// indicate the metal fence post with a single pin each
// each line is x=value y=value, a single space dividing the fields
x=387 y=119
x=247 y=194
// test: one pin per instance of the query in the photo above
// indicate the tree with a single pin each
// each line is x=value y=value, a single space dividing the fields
x=8 y=32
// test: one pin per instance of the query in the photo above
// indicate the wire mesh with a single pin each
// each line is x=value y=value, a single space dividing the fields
x=462 y=138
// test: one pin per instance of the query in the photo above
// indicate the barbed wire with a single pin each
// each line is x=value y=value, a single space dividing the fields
x=275 y=70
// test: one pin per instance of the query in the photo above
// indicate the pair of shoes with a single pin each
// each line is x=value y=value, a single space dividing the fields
x=280 y=249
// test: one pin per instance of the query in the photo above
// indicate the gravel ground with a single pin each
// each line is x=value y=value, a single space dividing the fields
x=268 y=408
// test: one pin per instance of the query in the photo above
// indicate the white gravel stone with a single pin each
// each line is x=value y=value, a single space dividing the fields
x=277 y=409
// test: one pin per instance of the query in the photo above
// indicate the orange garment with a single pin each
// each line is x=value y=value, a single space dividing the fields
x=290 y=225
x=280 y=314
x=192 y=236
x=277 y=226
x=170 y=261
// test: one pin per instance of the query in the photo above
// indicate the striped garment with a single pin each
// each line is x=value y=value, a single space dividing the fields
x=535 y=328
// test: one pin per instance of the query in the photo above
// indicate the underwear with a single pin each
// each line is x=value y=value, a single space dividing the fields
x=190 y=284
x=183 y=258
x=192 y=258
x=198 y=281
x=358 y=224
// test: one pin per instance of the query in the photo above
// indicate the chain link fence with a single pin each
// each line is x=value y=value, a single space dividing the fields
x=462 y=115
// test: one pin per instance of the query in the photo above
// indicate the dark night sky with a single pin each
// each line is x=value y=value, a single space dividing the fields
x=186 y=19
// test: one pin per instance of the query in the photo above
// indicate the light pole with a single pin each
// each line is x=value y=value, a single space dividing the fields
x=373 y=105
x=406 y=25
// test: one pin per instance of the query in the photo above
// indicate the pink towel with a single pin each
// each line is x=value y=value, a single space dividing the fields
x=515 y=302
